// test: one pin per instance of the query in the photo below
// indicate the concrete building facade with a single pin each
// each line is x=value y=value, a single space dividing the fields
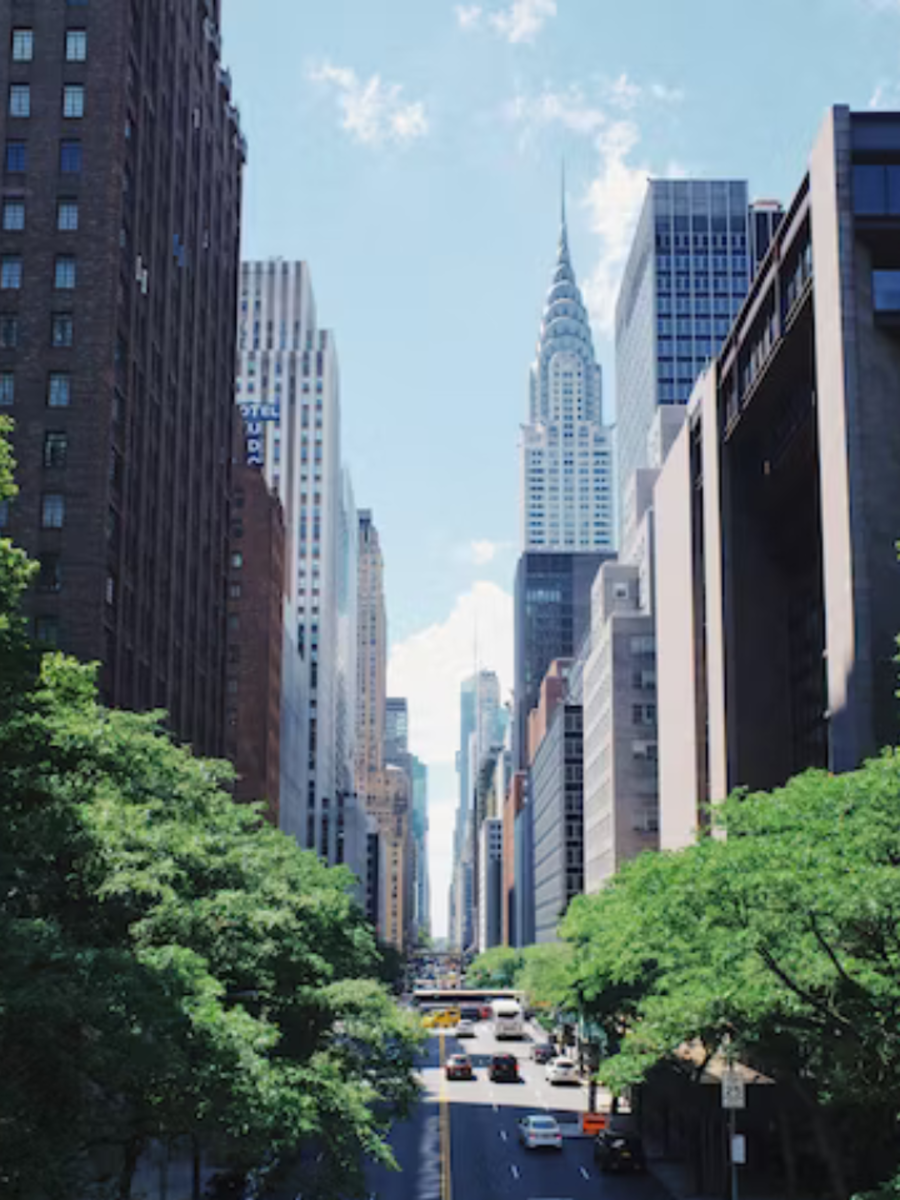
x=254 y=641
x=119 y=241
x=490 y=924
x=779 y=504
x=557 y=818
x=288 y=392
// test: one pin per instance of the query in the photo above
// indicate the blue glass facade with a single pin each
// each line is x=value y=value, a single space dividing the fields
x=686 y=277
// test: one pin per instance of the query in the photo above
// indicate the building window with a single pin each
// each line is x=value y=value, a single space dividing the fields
x=13 y=216
x=7 y=389
x=62 y=329
x=76 y=45
x=22 y=45
x=73 y=100
x=50 y=573
x=15 y=156
x=234 y=591
x=11 y=273
x=237 y=560
x=67 y=216
x=64 y=276
x=70 y=157
x=56 y=448
x=19 y=100
x=47 y=630
x=53 y=510
x=59 y=390
x=886 y=291
x=110 y=589
x=9 y=332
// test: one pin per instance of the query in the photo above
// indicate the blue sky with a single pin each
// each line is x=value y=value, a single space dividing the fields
x=409 y=150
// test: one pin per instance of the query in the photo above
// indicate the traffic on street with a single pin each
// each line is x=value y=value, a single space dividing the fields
x=466 y=1139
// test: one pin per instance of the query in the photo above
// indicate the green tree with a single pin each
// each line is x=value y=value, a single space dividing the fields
x=169 y=964
x=496 y=967
x=780 y=942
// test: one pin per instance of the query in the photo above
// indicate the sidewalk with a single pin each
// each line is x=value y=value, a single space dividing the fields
x=675 y=1178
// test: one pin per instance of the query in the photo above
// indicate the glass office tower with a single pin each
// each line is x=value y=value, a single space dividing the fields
x=686 y=277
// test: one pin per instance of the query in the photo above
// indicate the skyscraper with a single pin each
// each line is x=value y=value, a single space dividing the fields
x=396 y=731
x=565 y=450
x=384 y=788
x=289 y=396
x=686 y=277
x=119 y=238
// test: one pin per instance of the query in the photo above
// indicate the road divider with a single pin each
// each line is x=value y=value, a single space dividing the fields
x=444 y=1110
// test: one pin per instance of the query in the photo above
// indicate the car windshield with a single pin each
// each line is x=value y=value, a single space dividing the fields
x=564 y=1062
x=546 y=1123
x=458 y=1058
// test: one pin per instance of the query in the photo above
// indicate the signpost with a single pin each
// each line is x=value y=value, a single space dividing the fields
x=734 y=1096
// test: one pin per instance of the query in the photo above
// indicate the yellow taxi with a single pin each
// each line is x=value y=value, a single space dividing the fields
x=443 y=1018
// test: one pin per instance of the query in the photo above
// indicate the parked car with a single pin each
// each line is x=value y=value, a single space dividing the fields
x=540 y=1130
x=465 y=1028
x=542 y=1052
x=562 y=1070
x=503 y=1068
x=618 y=1149
x=459 y=1066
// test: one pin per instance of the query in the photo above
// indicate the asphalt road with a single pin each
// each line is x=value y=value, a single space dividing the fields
x=461 y=1142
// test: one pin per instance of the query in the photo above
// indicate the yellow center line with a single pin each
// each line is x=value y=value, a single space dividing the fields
x=446 y=1184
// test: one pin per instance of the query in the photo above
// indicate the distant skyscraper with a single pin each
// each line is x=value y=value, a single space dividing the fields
x=565 y=450
x=396 y=731
x=686 y=277
x=289 y=396
x=384 y=788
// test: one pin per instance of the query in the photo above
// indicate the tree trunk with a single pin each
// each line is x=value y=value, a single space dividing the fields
x=787 y=1151
x=196 y=1182
x=826 y=1143
x=132 y=1152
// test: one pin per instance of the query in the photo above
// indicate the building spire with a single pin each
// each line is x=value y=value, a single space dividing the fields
x=562 y=206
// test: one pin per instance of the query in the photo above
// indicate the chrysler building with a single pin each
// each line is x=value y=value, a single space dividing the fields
x=565 y=449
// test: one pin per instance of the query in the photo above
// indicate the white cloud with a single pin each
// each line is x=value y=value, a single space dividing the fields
x=372 y=112
x=523 y=20
x=484 y=551
x=429 y=666
x=569 y=108
x=614 y=197
x=468 y=16
x=886 y=95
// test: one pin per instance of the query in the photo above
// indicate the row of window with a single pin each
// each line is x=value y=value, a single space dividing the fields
x=76 y=45
x=70 y=157
x=62 y=330
x=13 y=216
x=59 y=389
x=11 y=271
x=72 y=100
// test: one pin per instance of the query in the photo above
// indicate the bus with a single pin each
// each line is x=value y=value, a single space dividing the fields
x=509 y=1020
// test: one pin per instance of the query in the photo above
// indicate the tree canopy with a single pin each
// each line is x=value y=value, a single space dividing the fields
x=170 y=965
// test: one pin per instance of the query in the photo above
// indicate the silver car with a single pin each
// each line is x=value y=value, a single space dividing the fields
x=539 y=1130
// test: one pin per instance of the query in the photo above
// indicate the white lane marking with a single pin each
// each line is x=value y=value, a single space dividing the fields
x=515 y=1170
x=503 y=1134
x=585 y=1172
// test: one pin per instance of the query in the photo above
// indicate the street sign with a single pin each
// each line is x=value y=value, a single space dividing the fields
x=739 y=1150
x=734 y=1094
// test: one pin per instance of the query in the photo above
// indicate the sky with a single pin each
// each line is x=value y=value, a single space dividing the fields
x=410 y=152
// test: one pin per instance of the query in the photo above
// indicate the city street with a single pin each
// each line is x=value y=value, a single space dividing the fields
x=477 y=1120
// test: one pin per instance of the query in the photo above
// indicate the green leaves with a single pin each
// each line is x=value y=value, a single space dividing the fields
x=170 y=965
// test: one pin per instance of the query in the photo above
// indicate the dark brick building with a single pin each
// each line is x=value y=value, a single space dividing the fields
x=119 y=237
x=255 y=629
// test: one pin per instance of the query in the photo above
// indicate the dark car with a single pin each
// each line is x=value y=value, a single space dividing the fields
x=504 y=1068
x=459 y=1066
x=470 y=1012
x=542 y=1052
x=619 y=1150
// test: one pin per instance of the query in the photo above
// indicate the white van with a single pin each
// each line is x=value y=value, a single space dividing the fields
x=509 y=1020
